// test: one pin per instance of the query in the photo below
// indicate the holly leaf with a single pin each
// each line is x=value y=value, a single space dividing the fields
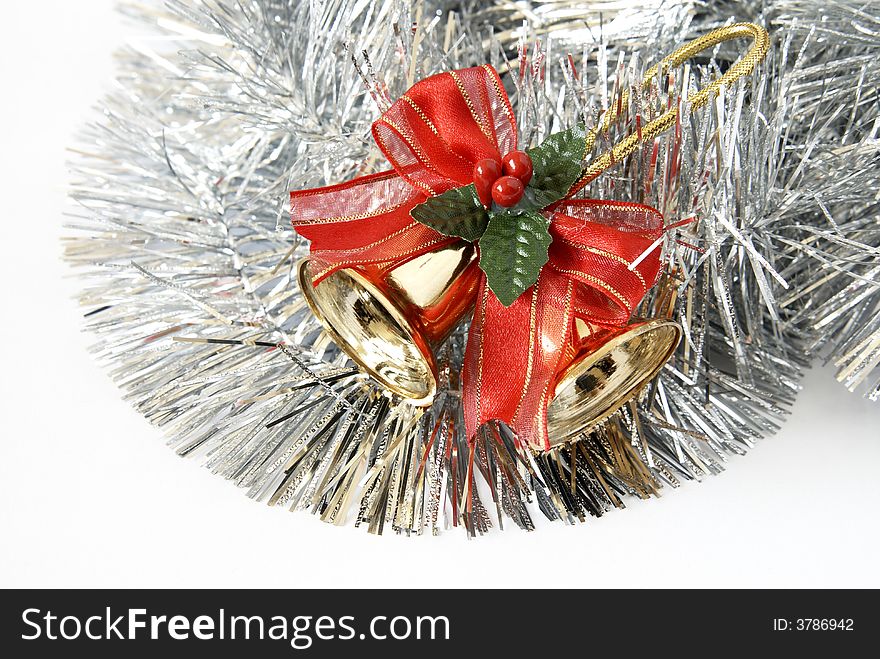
x=557 y=165
x=512 y=252
x=456 y=212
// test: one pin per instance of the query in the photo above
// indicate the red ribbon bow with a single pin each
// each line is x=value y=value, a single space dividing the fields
x=432 y=136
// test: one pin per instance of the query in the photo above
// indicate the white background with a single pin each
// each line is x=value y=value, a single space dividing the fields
x=91 y=497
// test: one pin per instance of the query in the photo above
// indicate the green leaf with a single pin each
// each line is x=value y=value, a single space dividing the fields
x=512 y=252
x=557 y=165
x=456 y=212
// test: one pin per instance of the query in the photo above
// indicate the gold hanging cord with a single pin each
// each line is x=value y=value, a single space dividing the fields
x=742 y=67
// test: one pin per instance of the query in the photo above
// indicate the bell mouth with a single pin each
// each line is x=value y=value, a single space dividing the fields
x=600 y=382
x=373 y=332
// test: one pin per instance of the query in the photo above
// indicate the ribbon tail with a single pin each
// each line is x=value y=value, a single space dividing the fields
x=360 y=222
x=408 y=242
x=602 y=246
x=513 y=355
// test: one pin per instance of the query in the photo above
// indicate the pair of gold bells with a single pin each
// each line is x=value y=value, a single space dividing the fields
x=390 y=321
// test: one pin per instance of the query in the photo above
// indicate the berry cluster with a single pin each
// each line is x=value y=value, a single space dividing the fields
x=505 y=181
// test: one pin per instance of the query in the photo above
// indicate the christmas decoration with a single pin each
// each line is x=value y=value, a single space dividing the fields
x=444 y=138
x=202 y=296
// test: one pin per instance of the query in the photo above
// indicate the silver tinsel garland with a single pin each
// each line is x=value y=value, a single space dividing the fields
x=180 y=230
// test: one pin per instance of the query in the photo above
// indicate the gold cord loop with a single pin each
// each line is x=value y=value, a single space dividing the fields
x=742 y=67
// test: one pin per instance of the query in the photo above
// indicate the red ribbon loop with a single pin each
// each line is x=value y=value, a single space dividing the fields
x=435 y=133
x=432 y=136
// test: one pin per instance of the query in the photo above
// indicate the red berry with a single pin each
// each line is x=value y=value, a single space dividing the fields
x=486 y=172
x=507 y=191
x=518 y=164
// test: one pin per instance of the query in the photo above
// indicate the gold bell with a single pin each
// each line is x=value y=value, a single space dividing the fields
x=609 y=367
x=389 y=320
